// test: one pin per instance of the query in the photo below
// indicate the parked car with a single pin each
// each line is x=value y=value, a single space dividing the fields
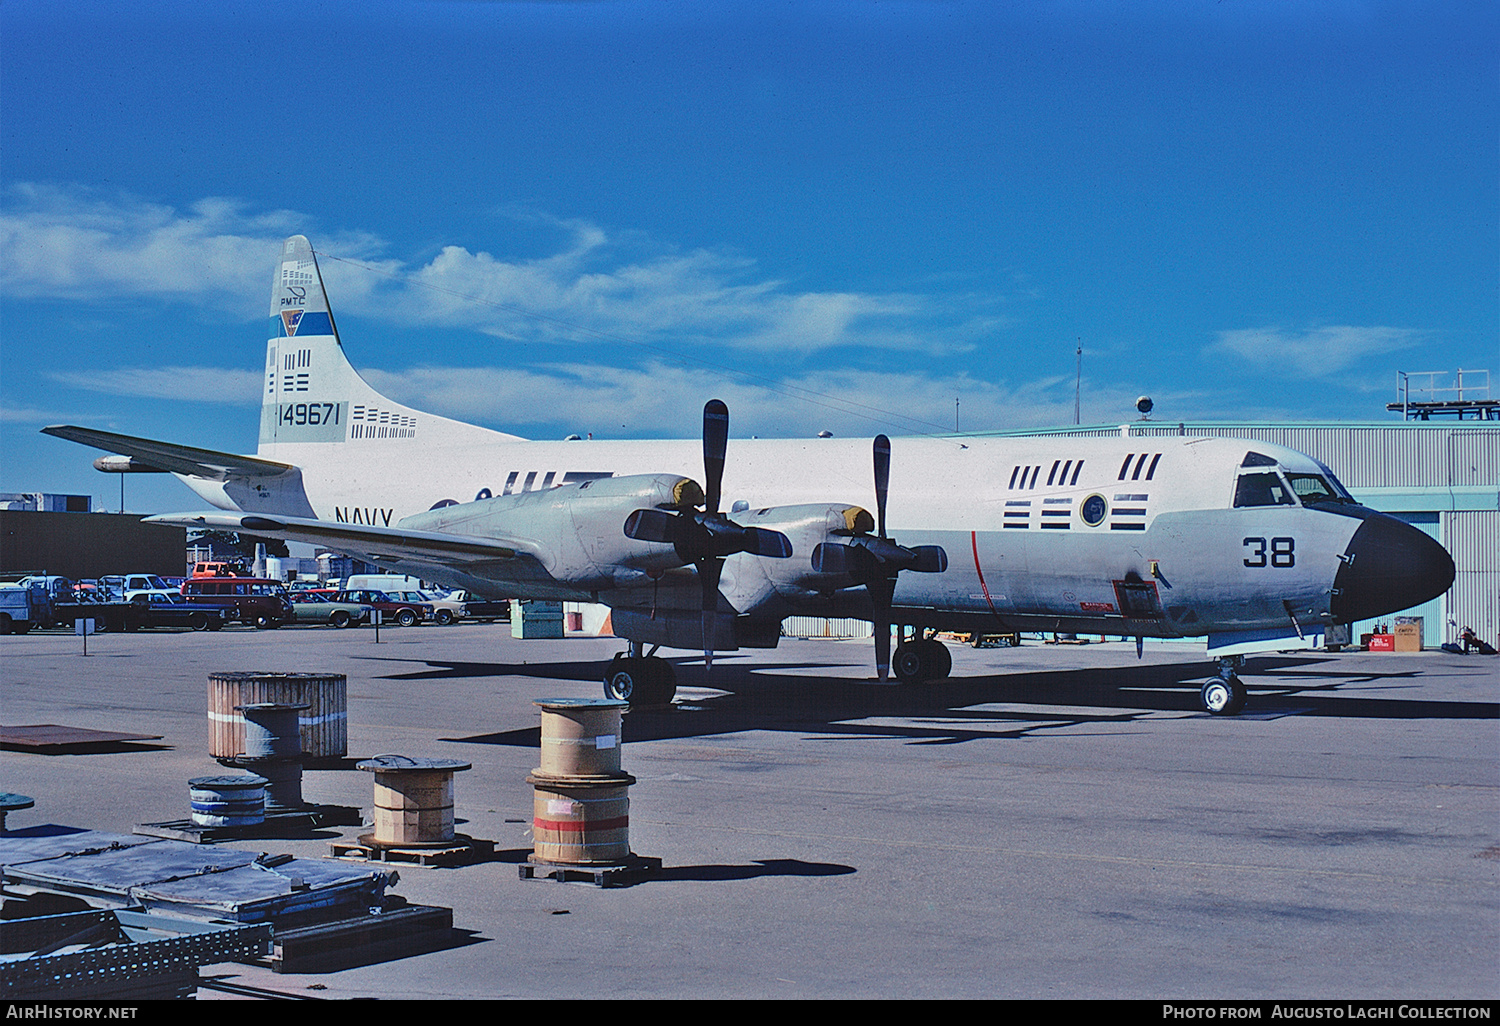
x=15 y=609
x=313 y=607
x=477 y=608
x=391 y=609
x=444 y=611
x=256 y=600
x=164 y=609
x=149 y=594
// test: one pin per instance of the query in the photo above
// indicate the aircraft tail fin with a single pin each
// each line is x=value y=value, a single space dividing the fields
x=312 y=392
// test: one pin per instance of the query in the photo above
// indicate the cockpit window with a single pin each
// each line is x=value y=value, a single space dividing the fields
x=1262 y=489
x=1311 y=488
x=1335 y=483
x=1256 y=459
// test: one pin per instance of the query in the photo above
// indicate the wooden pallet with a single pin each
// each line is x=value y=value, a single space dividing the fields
x=277 y=824
x=461 y=851
x=619 y=874
x=397 y=931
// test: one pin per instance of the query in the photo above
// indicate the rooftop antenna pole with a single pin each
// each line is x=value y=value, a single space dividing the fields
x=955 y=415
x=1078 y=384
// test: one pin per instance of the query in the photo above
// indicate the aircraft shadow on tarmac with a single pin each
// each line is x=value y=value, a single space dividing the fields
x=749 y=696
x=716 y=872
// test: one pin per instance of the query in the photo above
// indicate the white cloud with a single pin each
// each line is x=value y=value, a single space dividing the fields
x=664 y=400
x=71 y=243
x=567 y=299
x=26 y=415
x=1314 y=352
x=230 y=386
x=74 y=244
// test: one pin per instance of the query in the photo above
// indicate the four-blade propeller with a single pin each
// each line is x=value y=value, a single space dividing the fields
x=705 y=538
x=876 y=560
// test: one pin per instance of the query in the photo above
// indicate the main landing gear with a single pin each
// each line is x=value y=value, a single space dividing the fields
x=640 y=680
x=1225 y=695
x=921 y=658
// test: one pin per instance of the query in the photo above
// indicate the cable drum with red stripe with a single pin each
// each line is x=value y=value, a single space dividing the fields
x=581 y=802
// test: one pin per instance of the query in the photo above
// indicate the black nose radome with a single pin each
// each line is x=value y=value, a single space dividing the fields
x=1389 y=566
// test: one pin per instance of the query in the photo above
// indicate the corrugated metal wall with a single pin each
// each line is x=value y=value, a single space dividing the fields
x=1474 y=457
x=1473 y=538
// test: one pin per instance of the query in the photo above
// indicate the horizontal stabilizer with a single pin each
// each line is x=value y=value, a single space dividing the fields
x=178 y=459
x=385 y=543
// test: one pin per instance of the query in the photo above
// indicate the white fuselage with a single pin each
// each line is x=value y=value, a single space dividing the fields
x=1169 y=556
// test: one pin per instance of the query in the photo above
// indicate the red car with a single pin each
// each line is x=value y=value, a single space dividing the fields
x=392 y=610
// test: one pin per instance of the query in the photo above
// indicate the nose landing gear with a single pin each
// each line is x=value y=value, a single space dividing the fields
x=1225 y=695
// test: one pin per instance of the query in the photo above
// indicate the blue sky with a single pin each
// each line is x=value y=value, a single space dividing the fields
x=571 y=217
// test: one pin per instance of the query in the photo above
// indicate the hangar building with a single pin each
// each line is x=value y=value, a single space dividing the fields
x=87 y=545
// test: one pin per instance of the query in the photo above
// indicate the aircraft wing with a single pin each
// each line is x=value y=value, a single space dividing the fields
x=382 y=544
x=178 y=459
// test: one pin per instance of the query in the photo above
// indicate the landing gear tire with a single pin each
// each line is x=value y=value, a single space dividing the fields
x=921 y=659
x=1223 y=696
x=642 y=681
x=942 y=659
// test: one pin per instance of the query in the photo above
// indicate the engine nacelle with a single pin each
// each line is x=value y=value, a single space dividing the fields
x=576 y=530
x=785 y=586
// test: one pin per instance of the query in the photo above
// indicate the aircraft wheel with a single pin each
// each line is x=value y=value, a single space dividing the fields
x=663 y=680
x=1223 y=697
x=641 y=682
x=942 y=659
x=921 y=659
x=623 y=677
x=910 y=663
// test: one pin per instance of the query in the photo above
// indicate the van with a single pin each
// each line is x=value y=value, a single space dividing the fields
x=256 y=600
x=215 y=569
x=382 y=582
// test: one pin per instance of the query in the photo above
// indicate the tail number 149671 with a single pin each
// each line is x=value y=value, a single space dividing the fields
x=310 y=413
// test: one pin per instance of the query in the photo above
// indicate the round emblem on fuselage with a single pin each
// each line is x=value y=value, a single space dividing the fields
x=1093 y=510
